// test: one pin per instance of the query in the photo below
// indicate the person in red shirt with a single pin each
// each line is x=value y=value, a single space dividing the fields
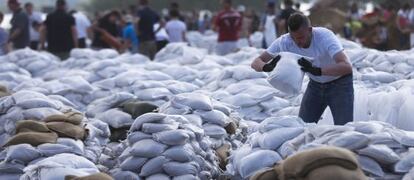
x=228 y=24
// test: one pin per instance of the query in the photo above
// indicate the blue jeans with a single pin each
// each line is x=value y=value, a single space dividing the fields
x=338 y=95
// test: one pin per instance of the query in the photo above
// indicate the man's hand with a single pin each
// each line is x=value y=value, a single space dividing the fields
x=268 y=67
x=307 y=66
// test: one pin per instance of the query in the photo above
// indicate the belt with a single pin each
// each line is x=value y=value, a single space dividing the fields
x=333 y=81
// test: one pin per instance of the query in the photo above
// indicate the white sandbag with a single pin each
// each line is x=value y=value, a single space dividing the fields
x=214 y=131
x=23 y=153
x=178 y=169
x=40 y=113
x=10 y=176
x=153 y=94
x=172 y=137
x=146 y=118
x=287 y=75
x=186 y=177
x=153 y=166
x=280 y=122
x=406 y=163
x=127 y=175
x=350 y=140
x=158 y=177
x=245 y=72
x=38 y=103
x=370 y=166
x=133 y=164
x=11 y=167
x=275 y=138
x=65 y=160
x=274 y=104
x=115 y=118
x=240 y=100
x=147 y=148
x=381 y=153
x=379 y=76
x=182 y=153
x=370 y=127
x=150 y=128
x=77 y=145
x=257 y=160
x=405 y=115
x=137 y=136
x=193 y=100
x=49 y=149
x=214 y=117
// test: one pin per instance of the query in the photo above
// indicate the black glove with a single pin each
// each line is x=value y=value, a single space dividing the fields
x=307 y=66
x=268 y=67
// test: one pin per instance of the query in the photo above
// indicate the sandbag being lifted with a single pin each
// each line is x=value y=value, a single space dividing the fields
x=287 y=75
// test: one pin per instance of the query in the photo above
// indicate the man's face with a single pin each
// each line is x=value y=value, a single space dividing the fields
x=12 y=6
x=302 y=37
x=29 y=8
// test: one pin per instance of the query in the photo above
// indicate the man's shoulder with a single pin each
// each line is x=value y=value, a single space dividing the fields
x=321 y=32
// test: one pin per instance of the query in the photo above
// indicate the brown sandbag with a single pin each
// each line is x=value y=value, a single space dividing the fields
x=137 y=108
x=31 y=126
x=98 y=176
x=3 y=88
x=231 y=128
x=223 y=154
x=302 y=164
x=4 y=94
x=32 y=138
x=266 y=174
x=335 y=172
x=72 y=118
x=65 y=129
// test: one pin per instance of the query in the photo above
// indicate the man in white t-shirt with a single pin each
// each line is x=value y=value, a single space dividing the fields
x=82 y=26
x=330 y=72
x=35 y=20
x=176 y=28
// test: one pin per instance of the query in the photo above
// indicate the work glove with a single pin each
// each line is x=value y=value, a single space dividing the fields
x=306 y=66
x=268 y=67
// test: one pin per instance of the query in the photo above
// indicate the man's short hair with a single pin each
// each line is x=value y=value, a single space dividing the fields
x=28 y=4
x=298 y=20
x=60 y=3
x=174 y=13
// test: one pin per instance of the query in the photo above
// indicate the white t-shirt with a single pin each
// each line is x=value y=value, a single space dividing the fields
x=324 y=46
x=35 y=17
x=82 y=24
x=175 y=29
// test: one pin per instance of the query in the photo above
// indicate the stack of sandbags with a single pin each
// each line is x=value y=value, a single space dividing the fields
x=181 y=53
x=214 y=117
x=162 y=146
x=37 y=63
x=59 y=166
x=383 y=151
x=12 y=75
x=264 y=144
x=207 y=41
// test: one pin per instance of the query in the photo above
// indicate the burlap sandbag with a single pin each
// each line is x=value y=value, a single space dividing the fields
x=64 y=129
x=302 y=164
x=3 y=88
x=71 y=117
x=231 y=128
x=98 y=176
x=223 y=154
x=266 y=174
x=136 y=108
x=31 y=126
x=336 y=173
x=4 y=94
x=32 y=138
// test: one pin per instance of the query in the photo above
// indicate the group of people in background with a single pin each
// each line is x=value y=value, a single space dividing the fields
x=141 y=29
x=383 y=22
